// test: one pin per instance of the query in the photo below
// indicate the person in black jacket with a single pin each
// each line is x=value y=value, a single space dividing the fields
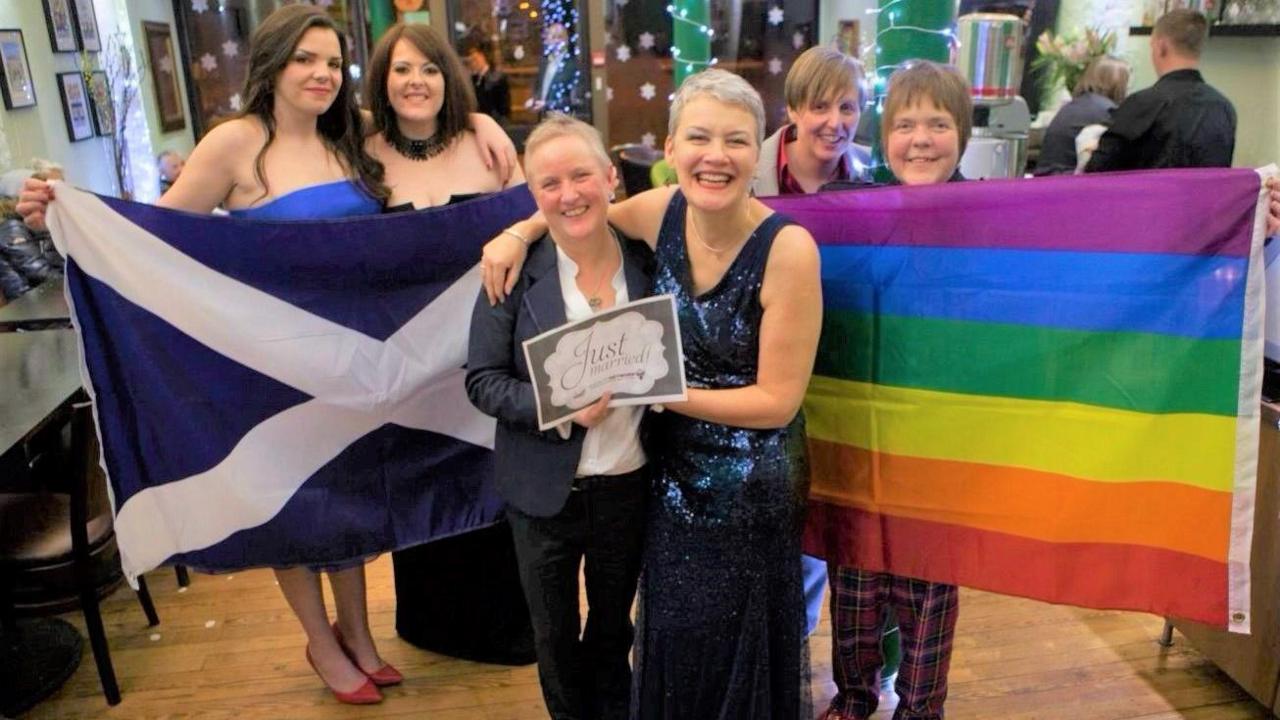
x=1180 y=121
x=493 y=91
x=27 y=258
x=578 y=490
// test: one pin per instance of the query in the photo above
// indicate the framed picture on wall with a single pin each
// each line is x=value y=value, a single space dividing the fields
x=76 y=107
x=15 y=80
x=87 y=26
x=164 y=75
x=104 y=114
x=62 y=25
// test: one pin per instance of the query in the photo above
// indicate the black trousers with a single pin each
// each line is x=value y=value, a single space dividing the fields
x=587 y=677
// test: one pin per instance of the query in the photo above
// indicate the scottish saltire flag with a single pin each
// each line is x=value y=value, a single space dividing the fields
x=1043 y=388
x=281 y=393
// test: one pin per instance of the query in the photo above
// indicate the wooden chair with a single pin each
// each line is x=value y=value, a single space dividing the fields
x=65 y=536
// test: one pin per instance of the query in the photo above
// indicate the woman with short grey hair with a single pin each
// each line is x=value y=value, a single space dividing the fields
x=722 y=614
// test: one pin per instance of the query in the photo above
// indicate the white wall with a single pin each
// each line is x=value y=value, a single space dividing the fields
x=41 y=131
x=160 y=11
x=831 y=12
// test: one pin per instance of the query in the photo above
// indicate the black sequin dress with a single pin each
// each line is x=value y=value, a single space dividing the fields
x=722 y=616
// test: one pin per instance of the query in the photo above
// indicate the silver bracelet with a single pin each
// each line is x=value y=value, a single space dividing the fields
x=516 y=235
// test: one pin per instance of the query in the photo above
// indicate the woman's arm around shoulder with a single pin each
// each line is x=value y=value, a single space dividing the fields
x=791 y=297
x=210 y=172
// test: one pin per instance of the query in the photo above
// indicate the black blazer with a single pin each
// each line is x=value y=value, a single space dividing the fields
x=534 y=469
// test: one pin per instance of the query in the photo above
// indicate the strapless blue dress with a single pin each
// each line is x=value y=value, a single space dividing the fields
x=337 y=199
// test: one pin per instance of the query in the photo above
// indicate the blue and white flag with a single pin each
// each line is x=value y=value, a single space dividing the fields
x=281 y=393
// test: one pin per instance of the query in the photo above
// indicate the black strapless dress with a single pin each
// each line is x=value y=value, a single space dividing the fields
x=461 y=596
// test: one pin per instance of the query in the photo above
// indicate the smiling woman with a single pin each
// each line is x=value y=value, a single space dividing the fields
x=422 y=108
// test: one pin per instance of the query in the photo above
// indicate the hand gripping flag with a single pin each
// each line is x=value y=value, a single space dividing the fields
x=1044 y=388
x=281 y=393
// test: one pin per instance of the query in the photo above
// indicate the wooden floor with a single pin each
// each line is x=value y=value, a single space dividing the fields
x=228 y=647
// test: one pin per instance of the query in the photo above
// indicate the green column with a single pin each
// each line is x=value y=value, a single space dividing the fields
x=690 y=44
x=381 y=16
x=906 y=30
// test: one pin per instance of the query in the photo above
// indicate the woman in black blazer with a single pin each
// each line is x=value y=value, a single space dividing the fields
x=577 y=491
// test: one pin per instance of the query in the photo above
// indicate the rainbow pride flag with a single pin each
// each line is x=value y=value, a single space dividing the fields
x=1043 y=388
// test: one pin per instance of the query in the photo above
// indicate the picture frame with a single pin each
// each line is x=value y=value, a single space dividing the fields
x=16 y=83
x=76 y=106
x=164 y=75
x=104 y=113
x=87 y=26
x=60 y=18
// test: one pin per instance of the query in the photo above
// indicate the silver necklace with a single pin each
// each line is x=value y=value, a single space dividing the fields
x=697 y=236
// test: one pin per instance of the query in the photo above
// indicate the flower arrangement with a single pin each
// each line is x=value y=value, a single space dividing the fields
x=1066 y=56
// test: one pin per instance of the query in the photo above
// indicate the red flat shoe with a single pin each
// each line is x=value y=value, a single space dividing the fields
x=366 y=694
x=384 y=676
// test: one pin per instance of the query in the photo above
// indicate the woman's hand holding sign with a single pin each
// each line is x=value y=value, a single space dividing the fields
x=591 y=415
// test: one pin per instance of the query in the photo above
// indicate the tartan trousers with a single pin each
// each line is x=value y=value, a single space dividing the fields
x=926 y=613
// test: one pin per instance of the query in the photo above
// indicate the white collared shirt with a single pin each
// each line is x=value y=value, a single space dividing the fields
x=613 y=446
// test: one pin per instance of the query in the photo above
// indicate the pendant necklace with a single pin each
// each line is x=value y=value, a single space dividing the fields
x=594 y=301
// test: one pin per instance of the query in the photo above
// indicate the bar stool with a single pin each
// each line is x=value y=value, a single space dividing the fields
x=56 y=535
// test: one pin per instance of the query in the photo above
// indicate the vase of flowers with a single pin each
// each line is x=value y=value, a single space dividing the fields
x=1064 y=58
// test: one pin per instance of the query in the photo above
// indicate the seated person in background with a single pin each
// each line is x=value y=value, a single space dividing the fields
x=1098 y=92
x=493 y=92
x=169 y=164
x=1179 y=122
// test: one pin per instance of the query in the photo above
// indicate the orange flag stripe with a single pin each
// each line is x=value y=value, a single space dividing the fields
x=1023 y=502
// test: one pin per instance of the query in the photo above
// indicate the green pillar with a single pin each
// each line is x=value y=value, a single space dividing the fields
x=381 y=16
x=690 y=43
x=906 y=30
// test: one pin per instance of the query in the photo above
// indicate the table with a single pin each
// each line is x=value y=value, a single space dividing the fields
x=42 y=307
x=39 y=374
x=1253 y=660
x=40 y=378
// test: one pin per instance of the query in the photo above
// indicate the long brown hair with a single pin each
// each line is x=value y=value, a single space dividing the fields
x=270 y=49
x=459 y=98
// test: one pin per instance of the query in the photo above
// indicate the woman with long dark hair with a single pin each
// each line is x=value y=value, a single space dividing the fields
x=295 y=151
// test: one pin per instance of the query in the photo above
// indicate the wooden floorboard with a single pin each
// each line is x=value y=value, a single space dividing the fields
x=227 y=647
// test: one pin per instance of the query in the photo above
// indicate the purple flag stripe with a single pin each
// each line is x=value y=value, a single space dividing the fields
x=1137 y=212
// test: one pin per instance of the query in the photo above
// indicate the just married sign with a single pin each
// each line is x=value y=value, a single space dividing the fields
x=632 y=351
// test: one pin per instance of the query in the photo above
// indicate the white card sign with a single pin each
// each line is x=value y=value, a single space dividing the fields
x=631 y=350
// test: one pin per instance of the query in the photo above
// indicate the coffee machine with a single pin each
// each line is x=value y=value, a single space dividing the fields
x=989 y=55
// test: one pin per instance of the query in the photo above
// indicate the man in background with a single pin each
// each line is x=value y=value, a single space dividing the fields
x=557 y=87
x=1180 y=121
x=493 y=91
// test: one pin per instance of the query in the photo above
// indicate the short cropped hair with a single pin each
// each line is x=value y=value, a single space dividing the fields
x=558 y=125
x=821 y=73
x=723 y=86
x=1107 y=76
x=1185 y=29
x=943 y=85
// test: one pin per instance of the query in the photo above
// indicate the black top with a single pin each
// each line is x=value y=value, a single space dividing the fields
x=493 y=95
x=1058 y=154
x=453 y=200
x=1179 y=122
